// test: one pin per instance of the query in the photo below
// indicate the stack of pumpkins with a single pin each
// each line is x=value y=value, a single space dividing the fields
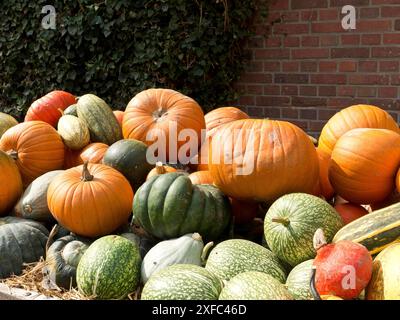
x=77 y=164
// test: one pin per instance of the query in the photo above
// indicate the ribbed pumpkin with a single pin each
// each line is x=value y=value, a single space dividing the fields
x=364 y=165
x=156 y=111
x=160 y=169
x=350 y=211
x=90 y=200
x=36 y=147
x=357 y=116
x=6 y=122
x=94 y=153
x=261 y=160
x=74 y=132
x=201 y=177
x=10 y=183
x=119 y=115
x=324 y=187
x=49 y=108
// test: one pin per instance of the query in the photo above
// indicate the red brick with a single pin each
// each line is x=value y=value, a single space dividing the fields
x=310 y=41
x=256 y=78
x=387 y=92
x=290 y=66
x=271 y=90
x=326 y=114
x=279 y=5
x=354 y=52
x=327 y=27
x=256 y=42
x=329 y=40
x=346 y=91
x=327 y=91
x=303 y=124
x=272 y=54
x=256 y=112
x=395 y=80
x=385 y=1
x=316 y=125
x=308 y=66
x=293 y=28
x=307 y=4
x=397 y=25
x=327 y=66
x=391 y=38
x=310 y=114
x=367 y=66
x=309 y=15
x=309 y=101
x=261 y=29
x=374 y=26
x=393 y=104
x=290 y=113
x=371 y=39
x=308 y=90
x=273 y=42
x=386 y=52
x=395 y=116
x=369 y=13
x=348 y=66
x=254 y=66
x=310 y=53
x=272 y=66
x=350 y=39
x=329 y=14
x=271 y=100
x=387 y=12
x=371 y=79
x=341 y=3
x=366 y=92
x=273 y=17
x=328 y=78
x=289 y=90
x=272 y=113
x=291 y=16
x=344 y=102
x=291 y=78
x=246 y=100
x=292 y=42
x=255 y=89
x=389 y=66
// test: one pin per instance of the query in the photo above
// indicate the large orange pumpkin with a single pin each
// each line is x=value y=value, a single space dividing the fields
x=201 y=177
x=162 y=111
x=36 y=147
x=90 y=200
x=262 y=160
x=357 y=116
x=94 y=153
x=10 y=183
x=324 y=187
x=49 y=108
x=364 y=164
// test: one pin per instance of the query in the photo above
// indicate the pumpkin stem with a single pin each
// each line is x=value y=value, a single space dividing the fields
x=13 y=154
x=61 y=111
x=205 y=252
x=319 y=239
x=160 y=168
x=284 y=221
x=313 y=140
x=313 y=289
x=196 y=236
x=53 y=232
x=86 y=176
x=28 y=208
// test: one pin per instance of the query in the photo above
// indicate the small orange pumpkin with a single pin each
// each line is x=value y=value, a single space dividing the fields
x=201 y=177
x=93 y=153
x=119 y=115
x=10 y=183
x=90 y=200
x=160 y=169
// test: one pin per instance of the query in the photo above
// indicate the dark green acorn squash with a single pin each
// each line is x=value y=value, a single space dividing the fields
x=168 y=206
x=21 y=241
x=101 y=121
x=128 y=156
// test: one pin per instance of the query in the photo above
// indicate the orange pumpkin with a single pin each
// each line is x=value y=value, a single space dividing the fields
x=36 y=147
x=201 y=177
x=93 y=153
x=119 y=115
x=10 y=183
x=90 y=200
x=324 y=187
x=357 y=116
x=214 y=119
x=243 y=211
x=393 y=198
x=261 y=160
x=364 y=164
x=350 y=211
x=160 y=169
x=165 y=112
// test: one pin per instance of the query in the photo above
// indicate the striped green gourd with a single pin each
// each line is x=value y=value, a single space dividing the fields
x=298 y=281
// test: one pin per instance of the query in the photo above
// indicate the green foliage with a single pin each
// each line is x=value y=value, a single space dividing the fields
x=116 y=48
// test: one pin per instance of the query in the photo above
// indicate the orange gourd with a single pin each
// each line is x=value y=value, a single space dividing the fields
x=160 y=169
x=261 y=160
x=90 y=200
x=201 y=177
x=364 y=164
x=36 y=147
x=357 y=116
x=10 y=183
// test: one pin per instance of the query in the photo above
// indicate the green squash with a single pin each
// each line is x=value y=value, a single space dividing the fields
x=143 y=243
x=254 y=285
x=62 y=260
x=231 y=257
x=168 y=206
x=109 y=269
x=128 y=156
x=100 y=119
x=33 y=203
x=71 y=110
x=298 y=281
x=184 y=250
x=21 y=241
x=182 y=282
x=291 y=222
x=74 y=132
x=6 y=122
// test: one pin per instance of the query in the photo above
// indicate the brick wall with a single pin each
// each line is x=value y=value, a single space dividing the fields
x=304 y=66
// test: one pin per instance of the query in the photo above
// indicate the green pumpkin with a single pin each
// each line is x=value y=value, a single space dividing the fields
x=109 y=269
x=298 y=281
x=71 y=110
x=21 y=241
x=291 y=222
x=231 y=257
x=62 y=260
x=168 y=206
x=128 y=156
x=254 y=285
x=6 y=122
x=182 y=282
x=100 y=119
x=33 y=203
